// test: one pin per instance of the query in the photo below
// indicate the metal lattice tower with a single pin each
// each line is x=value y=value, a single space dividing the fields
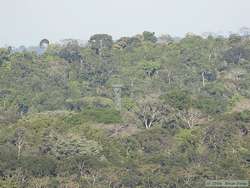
x=117 y=89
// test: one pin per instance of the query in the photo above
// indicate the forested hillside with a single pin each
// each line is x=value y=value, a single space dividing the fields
x=135 y=112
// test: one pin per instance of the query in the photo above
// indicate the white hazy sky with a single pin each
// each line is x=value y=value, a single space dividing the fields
x=26 y=22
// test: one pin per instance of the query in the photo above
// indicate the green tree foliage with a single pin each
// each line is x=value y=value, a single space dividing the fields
x=235 y=54
x=211 y=105
x=150 y=68
x=184 y=114
x=70 y=51
x=4 y=55
x=127 y=42
x=100 y=42
x=178 y=98
x=149 y=36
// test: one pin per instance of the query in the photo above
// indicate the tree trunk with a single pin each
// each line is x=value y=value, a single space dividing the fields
x=19 y=147
x=169 y=79
x=203 y=79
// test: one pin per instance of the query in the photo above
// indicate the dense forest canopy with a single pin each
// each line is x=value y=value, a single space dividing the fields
x=141 y=111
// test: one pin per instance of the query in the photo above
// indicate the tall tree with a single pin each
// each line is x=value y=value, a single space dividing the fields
x=99 y=42
x=149 y=36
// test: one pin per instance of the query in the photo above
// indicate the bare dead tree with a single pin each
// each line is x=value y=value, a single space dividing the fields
x=190 y=117
x=19 y=140
x=39 y=182
x=169 y=76
x=81 y=167
x=150 y=111
x=94 y=175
